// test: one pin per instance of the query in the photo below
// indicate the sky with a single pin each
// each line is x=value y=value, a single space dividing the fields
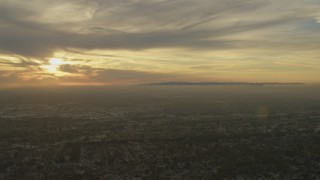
x=107 y=42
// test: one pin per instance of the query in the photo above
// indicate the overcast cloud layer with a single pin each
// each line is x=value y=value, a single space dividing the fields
x=159 y=39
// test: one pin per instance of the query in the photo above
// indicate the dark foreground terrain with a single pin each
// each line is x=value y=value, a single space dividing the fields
x=160 y=133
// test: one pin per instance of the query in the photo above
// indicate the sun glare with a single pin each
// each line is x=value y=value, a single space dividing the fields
x=51 y=68
x=54 y=63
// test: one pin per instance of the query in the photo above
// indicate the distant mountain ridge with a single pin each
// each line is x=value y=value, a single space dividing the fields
x=183 y=83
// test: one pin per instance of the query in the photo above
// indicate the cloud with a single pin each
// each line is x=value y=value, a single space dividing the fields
x=79 y=74
x=154 y=36
x=21 y=63
x=112 y=75
x=130 y=75
x=138 y=25
x=77 y=69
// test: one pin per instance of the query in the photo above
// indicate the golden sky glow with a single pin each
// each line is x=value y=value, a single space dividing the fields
x=103 y=42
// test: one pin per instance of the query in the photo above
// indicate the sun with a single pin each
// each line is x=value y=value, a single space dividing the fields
x=54 y=63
